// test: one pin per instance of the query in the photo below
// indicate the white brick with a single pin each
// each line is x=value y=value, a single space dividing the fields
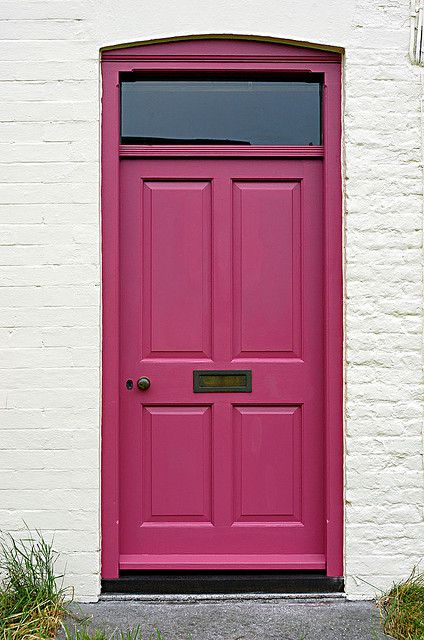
x=47 y=50
x=50 y=418
x=52 y=497
x=52 y=459
x=67 y=520
x=49 y=439
x=53 y=172
x=44 y=9
x=61 y=479
x=66 y=316
x=29 y=234
x=63 y=398
x=49 y=213
x=67 y=70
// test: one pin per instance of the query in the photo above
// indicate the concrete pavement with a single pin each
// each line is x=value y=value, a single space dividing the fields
x=236 y=618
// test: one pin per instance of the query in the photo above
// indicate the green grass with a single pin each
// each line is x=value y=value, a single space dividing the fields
x=32 y=601
x=402 y=609
x=132 y=634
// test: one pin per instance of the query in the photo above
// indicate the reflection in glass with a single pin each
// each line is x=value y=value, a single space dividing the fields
x=211 y=111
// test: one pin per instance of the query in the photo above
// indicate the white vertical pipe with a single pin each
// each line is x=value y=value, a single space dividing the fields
x=422 y=35
x=413 y=18
x=416 y=41
x=419 y=34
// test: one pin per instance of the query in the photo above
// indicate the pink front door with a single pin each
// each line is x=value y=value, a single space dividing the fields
x=222 y=270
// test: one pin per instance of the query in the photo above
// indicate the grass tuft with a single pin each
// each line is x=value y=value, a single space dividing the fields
x=131 y=634
x=83 y=634
x=402 y=609
x=32 y=602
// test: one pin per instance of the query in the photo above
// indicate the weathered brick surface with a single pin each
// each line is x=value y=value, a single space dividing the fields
x=50 y=275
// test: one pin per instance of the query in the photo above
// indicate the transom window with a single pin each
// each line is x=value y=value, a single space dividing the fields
x=211 y=110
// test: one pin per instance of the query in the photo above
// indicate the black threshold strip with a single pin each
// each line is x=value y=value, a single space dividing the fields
x=222 y=582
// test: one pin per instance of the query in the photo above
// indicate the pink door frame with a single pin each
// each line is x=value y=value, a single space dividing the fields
x=222 y=55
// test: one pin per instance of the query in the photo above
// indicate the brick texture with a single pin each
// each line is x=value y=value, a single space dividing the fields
x=50 y=275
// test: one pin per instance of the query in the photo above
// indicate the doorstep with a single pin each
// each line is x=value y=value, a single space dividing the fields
x=235 y=617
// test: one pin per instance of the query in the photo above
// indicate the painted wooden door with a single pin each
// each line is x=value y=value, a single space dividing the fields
x=222 y=269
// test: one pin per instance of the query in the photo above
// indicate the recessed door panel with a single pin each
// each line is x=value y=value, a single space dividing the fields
x=267 y=262
x=176 y=464
x=267 y=464
x=176 y=268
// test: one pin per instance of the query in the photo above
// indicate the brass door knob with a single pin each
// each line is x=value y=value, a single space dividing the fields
x=143 y=383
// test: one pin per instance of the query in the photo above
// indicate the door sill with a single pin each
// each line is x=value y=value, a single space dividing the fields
x=223 y=582
x=235 y=562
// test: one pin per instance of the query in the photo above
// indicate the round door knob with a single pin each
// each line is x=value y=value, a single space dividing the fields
x=143 y=383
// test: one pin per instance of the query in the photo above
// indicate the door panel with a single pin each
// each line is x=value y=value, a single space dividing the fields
x=266 y=489
x=176 y=268
x=266 y=281
x=222 y=269
x=176 y=479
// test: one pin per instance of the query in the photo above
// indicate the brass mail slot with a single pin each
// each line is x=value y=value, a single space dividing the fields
x=228 y=381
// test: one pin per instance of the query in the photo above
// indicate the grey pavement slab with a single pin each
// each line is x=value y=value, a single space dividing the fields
x=235 y=619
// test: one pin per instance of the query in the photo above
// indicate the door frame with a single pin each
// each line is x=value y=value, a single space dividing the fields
x=222 y=54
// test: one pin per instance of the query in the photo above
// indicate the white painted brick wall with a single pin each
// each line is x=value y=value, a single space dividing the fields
x=49 y=262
